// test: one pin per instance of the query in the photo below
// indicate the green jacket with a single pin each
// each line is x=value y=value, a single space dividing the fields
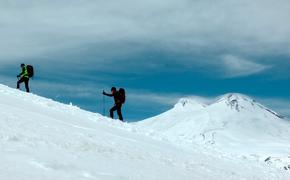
x=24 y=72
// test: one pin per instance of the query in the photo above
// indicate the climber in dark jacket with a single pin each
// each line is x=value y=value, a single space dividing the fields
x=24 y=77
x=118 y=103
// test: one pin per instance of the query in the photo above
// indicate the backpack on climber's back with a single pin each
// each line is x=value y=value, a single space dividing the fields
x=30 y=71
x=122 y=95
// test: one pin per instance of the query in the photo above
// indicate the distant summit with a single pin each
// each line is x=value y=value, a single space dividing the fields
x=234 y=101
x=241 y=102
x=233 y=122
x=190 y=103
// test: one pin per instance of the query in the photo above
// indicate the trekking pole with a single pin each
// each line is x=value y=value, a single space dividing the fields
x=104 y=105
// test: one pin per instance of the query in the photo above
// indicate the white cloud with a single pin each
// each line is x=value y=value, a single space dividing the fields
x=236 y=67
x=165 y=99
x=155 y=98
x=32 y=28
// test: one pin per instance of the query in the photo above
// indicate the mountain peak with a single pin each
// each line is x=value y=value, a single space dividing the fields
x=235 y=97
x=233 y=122
x=190 y=102
x=236 y=101
x=240 y=102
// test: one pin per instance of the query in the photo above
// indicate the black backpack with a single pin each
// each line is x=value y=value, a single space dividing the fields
x=122 y=95
x=30 y=71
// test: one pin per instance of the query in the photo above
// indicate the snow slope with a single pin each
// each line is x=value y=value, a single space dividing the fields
x=43 y=139
x=233 y=124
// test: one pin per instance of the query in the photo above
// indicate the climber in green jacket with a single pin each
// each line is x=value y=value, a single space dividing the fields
x=23 y=77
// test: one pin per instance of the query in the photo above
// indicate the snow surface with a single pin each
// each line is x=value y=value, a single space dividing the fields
x=234 y=124
x=44 y=139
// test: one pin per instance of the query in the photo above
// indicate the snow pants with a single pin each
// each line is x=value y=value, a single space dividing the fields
x=26 y=81
x=118 y=108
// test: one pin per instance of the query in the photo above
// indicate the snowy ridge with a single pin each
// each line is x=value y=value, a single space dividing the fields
x=44 y=139
x=234 y=124
x=233 y=99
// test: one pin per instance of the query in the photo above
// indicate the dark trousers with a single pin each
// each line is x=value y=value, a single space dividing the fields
x=26 y=81
x=118 y=108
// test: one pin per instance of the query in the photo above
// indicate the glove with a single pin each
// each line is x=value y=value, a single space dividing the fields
x=104 y=93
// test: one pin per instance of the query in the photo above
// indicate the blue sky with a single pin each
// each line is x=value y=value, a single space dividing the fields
x=159 y=51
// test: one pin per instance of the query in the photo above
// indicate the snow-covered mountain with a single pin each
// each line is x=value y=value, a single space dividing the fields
x=44 y=139
x=234 y=123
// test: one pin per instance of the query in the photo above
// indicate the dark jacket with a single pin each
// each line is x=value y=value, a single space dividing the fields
x=117 y=97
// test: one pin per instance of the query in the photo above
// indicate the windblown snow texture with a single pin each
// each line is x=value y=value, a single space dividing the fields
x=44 y=139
